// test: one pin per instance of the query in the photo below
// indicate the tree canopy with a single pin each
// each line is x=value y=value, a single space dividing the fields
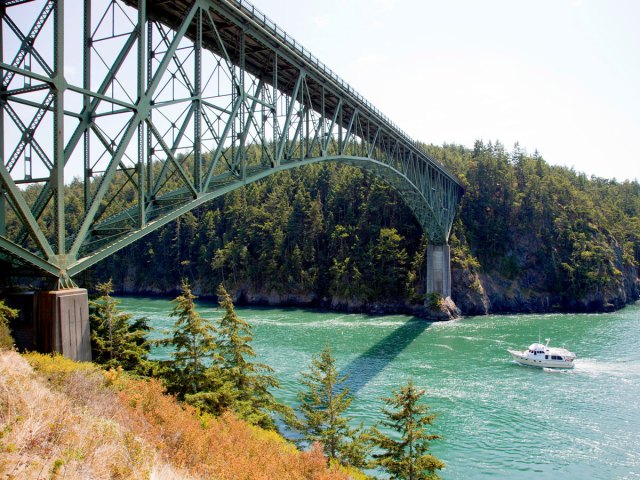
x=334 y=233
x=404 y=452
x=117 y=340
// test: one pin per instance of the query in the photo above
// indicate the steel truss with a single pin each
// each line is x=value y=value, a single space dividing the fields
x=176 y=103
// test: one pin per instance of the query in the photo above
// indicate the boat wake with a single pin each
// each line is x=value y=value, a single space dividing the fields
x=557 y=370
x=621 y=369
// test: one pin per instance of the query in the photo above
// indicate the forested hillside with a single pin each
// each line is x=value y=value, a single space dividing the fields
x=545 y=237
x=529 y=237
x=323 y=234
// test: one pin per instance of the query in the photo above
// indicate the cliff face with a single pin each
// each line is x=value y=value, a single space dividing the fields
x=524 y=280
x=245 y=295
x=528 y=292
x=496 y=294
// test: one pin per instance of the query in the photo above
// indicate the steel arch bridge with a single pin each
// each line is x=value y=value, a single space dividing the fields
x=158 y=106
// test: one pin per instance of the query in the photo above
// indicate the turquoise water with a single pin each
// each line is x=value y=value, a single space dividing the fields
x=497 y=419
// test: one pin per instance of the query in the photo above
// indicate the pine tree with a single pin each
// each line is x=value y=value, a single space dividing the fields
x=194 y=344
x=323 y=405
x=116 y=340
x=251 y=381
x=406 y=458
x=6 y=313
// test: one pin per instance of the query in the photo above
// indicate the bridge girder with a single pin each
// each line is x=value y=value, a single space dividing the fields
x=179 y=102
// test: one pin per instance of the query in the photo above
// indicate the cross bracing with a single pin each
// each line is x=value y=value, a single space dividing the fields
x=167 y=105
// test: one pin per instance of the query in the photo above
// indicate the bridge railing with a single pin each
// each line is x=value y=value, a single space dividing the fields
x=270 y=25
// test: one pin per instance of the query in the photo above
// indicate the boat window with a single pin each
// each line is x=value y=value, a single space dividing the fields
x=546 y=357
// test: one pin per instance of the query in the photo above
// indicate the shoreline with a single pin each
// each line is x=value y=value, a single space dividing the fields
x=369 y=308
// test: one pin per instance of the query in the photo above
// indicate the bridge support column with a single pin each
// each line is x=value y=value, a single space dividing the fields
x=62 y=322
x=439 y=270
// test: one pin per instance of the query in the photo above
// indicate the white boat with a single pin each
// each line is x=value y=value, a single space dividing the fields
x=544 y=356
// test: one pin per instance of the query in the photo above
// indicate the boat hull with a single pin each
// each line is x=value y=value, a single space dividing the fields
x=523 y=359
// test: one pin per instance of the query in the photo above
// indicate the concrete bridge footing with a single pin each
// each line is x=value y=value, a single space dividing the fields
x=51 y=321
x=439 y=270
x=62 y=317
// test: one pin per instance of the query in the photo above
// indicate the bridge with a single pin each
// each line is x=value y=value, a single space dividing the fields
x=157 y=107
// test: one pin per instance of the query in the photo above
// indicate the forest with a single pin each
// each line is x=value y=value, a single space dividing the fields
x=528 y=237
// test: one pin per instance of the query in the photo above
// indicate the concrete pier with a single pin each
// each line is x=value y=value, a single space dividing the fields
x=439 y=270
x=62 y=323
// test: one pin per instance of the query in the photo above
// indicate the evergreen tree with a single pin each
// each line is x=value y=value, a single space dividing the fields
x=116 y=340
x=406 y=458
x=6 y=314
x=323 y=405
x=251 y=381
x=194 y=344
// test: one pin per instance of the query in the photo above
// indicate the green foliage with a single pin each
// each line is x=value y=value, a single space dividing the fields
x=116 y=339
x=323 y=404
x=194 y=347
x=550 y=228
x=434 y=301
x=211 y=368
x=251 y=382
x=404 y=454
x=329 y=230
x=6 y=314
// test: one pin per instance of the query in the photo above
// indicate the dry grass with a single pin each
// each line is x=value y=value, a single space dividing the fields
x=208 y=447
x=47 y=435
x=72 y=421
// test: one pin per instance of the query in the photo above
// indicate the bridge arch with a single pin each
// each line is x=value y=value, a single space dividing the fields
x=211 y=81
x=435 y=224
x=176 y=103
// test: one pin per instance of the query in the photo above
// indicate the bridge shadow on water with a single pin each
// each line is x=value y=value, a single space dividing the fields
x=368 y=365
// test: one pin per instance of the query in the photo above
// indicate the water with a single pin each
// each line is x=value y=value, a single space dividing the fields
x=497 y=419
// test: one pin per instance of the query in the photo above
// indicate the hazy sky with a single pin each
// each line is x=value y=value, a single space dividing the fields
x=560 y=76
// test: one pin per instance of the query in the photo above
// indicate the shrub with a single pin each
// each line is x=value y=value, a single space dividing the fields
x=6 y=313
x=434 y=301
x=113 y=425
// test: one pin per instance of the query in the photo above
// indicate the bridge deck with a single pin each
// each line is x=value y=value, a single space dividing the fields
x=263 y=37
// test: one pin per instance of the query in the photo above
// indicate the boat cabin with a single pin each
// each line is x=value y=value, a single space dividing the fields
x=537 y=349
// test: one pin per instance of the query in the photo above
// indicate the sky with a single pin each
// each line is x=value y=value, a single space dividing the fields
x=559 y=76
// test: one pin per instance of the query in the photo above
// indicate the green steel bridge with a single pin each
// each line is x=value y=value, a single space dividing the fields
x=159 y=106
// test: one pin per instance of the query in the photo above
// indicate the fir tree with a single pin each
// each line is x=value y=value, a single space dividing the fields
x=194 y=344
x=6 y=313
x=251 y=381
x=116 y=340
x=406 y=458
x=323 y=405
